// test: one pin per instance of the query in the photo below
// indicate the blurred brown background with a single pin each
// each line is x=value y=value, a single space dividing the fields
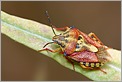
x=21 y=63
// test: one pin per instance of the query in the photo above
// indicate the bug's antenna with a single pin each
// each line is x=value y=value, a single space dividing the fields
x=49 y=20
x=47 y=44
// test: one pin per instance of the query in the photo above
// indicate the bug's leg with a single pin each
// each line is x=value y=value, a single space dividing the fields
x=101 y=70
x=70 y=62
x=61 y=28
x=46 y=49
x=94 y=37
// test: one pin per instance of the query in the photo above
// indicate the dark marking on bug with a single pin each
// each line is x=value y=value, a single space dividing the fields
x=77 y=45
x=72 y=26
x=66 y=40
x=63 y=46
x=92 y=64
x=65 y=54
x=79 y=37
x=66 y=36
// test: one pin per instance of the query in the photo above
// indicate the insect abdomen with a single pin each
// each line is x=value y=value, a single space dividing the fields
x=92 y=64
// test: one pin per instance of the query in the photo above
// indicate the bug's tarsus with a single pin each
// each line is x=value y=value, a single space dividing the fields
x=49 y=20
x=102 y=70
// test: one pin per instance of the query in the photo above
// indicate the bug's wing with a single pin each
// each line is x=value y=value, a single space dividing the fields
x=103 y=55
x=84 y=56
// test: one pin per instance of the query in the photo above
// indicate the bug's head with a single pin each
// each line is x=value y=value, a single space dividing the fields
x=60 y=40
x=57 y=38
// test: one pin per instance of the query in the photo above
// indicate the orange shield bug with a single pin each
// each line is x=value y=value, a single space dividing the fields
x=75 y=45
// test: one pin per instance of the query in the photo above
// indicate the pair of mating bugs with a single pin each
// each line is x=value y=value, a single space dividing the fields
x=87 y=50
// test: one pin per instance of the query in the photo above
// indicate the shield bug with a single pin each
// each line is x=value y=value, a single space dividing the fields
x=87 y=50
